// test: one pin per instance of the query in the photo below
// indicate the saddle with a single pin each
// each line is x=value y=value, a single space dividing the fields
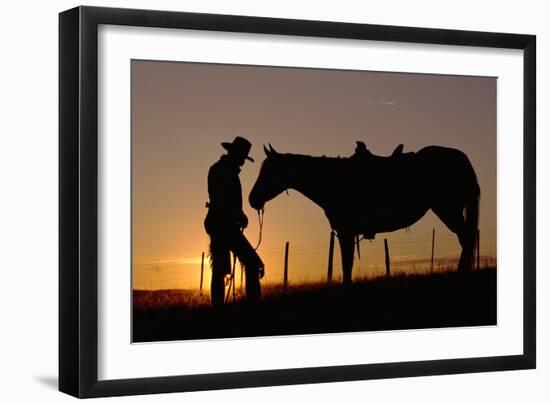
x=395 y=165
x=396 y=156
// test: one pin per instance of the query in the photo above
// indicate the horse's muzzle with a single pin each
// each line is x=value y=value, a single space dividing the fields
x=255 y=202
x=256 y=205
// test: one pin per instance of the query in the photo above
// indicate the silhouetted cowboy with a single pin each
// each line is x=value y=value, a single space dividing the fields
x=226 y=220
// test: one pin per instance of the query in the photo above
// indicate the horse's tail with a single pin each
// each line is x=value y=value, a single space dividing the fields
x=472 y=223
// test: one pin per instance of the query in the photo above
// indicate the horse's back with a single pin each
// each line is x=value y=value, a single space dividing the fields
x=449 y=168
x=439 y=153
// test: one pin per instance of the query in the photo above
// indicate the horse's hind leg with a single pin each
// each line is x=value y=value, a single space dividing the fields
x=453 y=218
x=347 y=250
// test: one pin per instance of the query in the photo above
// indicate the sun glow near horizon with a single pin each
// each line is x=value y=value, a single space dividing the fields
x=308 y=263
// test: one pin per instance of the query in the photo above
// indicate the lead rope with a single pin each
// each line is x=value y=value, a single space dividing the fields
x=232 y=279
x=261 y=224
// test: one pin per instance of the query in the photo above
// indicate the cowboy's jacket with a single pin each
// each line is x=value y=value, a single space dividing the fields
x=225 y=193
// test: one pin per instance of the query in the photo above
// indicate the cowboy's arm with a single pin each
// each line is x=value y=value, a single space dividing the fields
x=243 y=221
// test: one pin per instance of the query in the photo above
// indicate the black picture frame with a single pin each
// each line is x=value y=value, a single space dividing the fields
x=78 y=201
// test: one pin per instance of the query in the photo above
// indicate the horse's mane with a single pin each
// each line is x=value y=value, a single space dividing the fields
x=335 y=165
x=314 y=162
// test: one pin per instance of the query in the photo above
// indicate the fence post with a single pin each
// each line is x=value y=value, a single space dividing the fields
x=285 y=279
x=330 y=256
x=433 y=245
x=241 y=287
x=202 y=271
x=477 y=248
x=386 y=249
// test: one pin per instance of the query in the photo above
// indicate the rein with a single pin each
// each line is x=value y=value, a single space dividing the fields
x=261 y=225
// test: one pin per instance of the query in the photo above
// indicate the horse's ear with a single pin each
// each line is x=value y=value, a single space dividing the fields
x=266 y=151
x=272 y=150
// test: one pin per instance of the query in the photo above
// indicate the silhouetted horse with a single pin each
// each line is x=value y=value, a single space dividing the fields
x=369 y=194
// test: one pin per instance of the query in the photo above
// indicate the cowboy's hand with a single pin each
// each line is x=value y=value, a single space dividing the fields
x=243 y=221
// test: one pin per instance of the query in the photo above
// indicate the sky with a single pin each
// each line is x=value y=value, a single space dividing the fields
x=181 y=112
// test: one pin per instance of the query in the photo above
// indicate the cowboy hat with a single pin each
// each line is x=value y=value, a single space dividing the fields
x=240 y=146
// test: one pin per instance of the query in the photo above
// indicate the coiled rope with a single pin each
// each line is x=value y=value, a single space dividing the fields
x=232 y=279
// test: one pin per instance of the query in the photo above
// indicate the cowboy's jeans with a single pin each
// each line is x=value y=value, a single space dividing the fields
x=221 y=244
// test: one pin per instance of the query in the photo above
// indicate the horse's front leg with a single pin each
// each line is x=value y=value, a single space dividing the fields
x=347 y=246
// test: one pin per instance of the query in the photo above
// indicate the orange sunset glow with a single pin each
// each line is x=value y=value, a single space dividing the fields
x=181 y=112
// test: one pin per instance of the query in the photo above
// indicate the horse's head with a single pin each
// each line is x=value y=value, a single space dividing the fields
x=271 y=181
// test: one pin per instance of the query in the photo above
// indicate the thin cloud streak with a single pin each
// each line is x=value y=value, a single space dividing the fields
x=383 y=102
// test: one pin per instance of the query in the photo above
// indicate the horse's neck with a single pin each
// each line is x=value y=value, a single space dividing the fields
x=308 y=182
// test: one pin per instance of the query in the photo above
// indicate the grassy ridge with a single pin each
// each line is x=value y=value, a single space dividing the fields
x=447 y=299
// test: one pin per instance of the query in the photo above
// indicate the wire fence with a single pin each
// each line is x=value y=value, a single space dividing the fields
x=310 y=262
